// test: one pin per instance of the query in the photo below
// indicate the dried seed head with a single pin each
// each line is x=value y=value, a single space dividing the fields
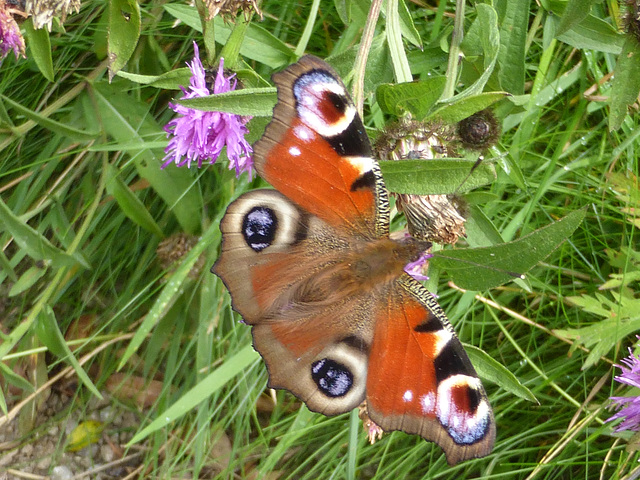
x=43 y=11
x=172 y=250
x=410 y=139
x=631 y=18
x=429 y=217
x=228 y=9
x=479 y=131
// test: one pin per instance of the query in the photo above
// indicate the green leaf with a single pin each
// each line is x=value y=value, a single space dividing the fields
x=131 y=205
x=258 y=44
x=14 y=379
x=484 y=31
x=593 y=34
x=129 y=121
x=233 y=366
x=574 y=13
x=621 y=319
x=487 y=267
x=171 y=80
x=453 y=112
x=438 y=176
x=490 y=369
x=343 y=7
x=39 y=48
x=34 y=243
x=626 y=83
x=407 y=27
x=57 y=127
x=124 y=31
x=50 y=335
x=415 y=98
x=257 y=102
x=513 y=39
x=27 y=280
x=480 y=230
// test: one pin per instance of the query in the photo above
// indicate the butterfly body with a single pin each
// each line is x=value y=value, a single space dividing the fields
x=311 y=267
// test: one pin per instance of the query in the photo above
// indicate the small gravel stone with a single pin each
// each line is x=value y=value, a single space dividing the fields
x=26 y=450
x=106 y=414
x=6 y=458
x=106 y=453
x=61 y=472
x=44 y=463
x=70 y=424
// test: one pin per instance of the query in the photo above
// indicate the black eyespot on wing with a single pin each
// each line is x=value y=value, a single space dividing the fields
x=474 y=398
x=259 y=227
x=352 y=141
x=339 y=102
x=366 y=181
x=333 y=378
x=430 y=325
x=451 y=362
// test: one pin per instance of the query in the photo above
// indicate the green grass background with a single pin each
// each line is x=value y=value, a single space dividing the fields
x=85 y=206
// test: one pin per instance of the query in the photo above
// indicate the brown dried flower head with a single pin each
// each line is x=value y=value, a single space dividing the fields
x=172 y=250
x=479 y=131
x=228 y=9
x=631 y=18
x=436 y=218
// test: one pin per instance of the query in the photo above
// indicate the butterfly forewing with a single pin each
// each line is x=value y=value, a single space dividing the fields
x=316 y=152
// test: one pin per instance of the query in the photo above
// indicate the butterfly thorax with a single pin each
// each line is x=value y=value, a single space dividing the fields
x=382 y=261
x=367 y=267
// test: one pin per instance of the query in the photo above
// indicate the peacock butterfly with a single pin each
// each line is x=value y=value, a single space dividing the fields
x=311 y=267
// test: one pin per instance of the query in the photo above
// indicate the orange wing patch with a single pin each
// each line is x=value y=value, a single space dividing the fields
x=324 y=184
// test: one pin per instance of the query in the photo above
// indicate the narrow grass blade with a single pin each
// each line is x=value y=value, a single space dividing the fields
x=490 y=369
x=46 y=122
x=129 y=203
x=210 y=384
x=128 y=120
x=171 y=290
x=513 y=37
x=34 y=243
x=298 y=429
x=50 y=335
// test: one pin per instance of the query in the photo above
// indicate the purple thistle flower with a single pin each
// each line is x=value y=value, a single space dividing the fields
x=197 y=135
x=629 y=406
x=10 y=36
x=416 y=268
